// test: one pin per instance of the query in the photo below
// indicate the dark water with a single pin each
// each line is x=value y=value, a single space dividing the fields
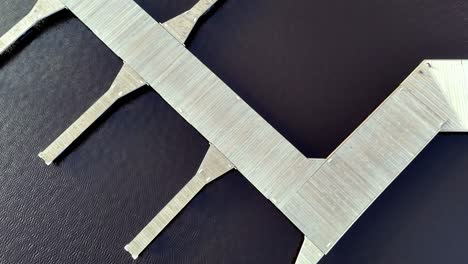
x=313 y=69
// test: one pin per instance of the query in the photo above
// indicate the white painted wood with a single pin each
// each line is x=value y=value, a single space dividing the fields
x=181 y=26
x=212 y=167
x=41 y=10
x=127 y=81
x=309 y=253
